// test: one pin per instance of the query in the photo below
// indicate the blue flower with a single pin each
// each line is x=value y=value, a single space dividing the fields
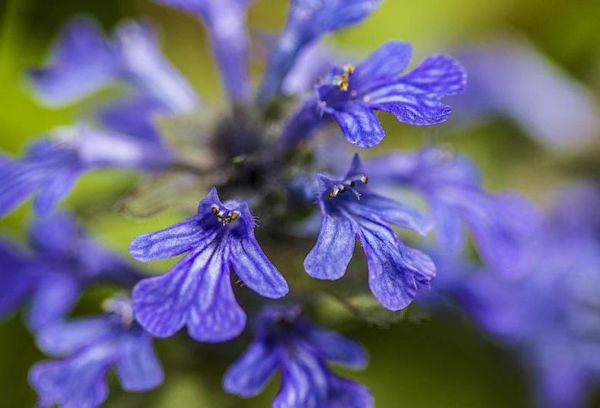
x=300 y=351
x=63 y=261
x=353 y=94
x=226 y=23
x=307 y=21
x=452 y=187
x=197 y=291
x=51 y=165
x=83 y=61
x=349 y=209
x=87 y=349
x=550 y=315
x=507 y=75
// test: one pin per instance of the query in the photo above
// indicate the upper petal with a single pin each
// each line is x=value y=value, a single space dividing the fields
x=386 y=63
x=66 y=337
x=338 y=348
x=171 y=241
x=249 y=374
x=392 y=212
x=254 y=268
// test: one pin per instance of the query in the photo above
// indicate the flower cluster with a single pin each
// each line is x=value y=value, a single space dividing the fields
x=278 y=173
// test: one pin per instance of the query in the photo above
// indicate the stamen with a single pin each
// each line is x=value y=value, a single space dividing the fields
x=343 y=82
x=224 y=217
x=348 y=185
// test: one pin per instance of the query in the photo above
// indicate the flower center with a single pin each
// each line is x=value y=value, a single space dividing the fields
x=224 y=216
x=121 y=307
x=348 y=185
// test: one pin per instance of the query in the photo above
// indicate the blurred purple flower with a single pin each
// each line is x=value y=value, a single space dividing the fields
x=300 y=351
x=63 y=261
x=307 y=21
x=452 y=187
x=349 y=209
x=226 y=23
x=197 y=291
x=509 y=77
x=52 y=165
x=87 y=349
x=83 y=61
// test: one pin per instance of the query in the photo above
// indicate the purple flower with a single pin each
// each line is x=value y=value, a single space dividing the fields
x=349 y=209
x=353 y=94
x=83 y=61
x=550 y=315
x=307 y=21
x=300 y=351
x=63 y=261
x=507 y=76
x=51 y=166
x=197 y=292
x=87 y=350
x=226 y=23
x=452 y=187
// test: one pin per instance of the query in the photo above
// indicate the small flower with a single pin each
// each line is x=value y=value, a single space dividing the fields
x=349 y=209
x=353 y=94
x=88 y=348
x=197 y=291
x=307 y=21
x=84 y=61
x=51 y=165
x=226 y=23
x=300 y=351
x=64 y=260
x=452 y=187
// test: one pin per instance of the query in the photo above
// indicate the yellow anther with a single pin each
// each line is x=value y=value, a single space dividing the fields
x=227 y=220
x=234 y=215
x=214 y=209
x=349 y=68
x=219 y=218
x=364 y=179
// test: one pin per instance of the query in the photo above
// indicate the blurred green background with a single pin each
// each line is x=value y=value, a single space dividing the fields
x=439 y=362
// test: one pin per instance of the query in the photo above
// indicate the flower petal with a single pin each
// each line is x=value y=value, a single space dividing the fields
x=348 y=394
x=137 y=366
x=338 y=348
x=215 y=316
x=359 y=124
x=386 y=63
x=396 y=272
x=17 y=279
x=133 y=116
x=415 y=98
x=392 y=212
x=249 y=375
x=171 y=241
x=17 y=182
x=147 y=67
x=66 y=337
x=75 y=382
x=331 y=255
x=83 y=62
x=254 y=268
x=54 y=190
x=54 y=296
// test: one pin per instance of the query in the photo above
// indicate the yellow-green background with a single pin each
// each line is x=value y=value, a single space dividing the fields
x=440 y=362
